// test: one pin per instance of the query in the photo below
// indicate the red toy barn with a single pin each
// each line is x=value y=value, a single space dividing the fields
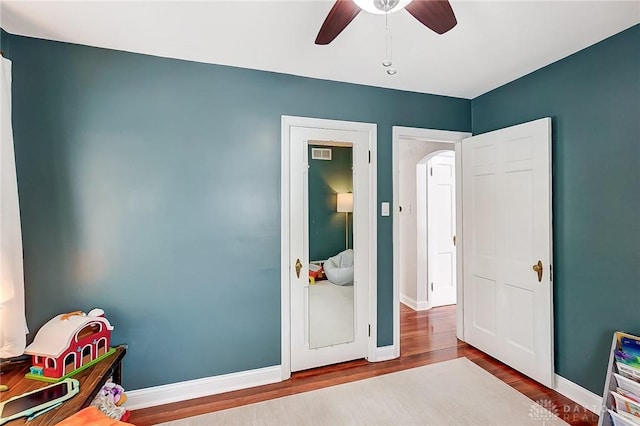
x=68 y=342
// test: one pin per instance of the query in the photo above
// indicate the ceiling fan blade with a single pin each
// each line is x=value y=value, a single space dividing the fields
x=337 y=20
x=435 y=14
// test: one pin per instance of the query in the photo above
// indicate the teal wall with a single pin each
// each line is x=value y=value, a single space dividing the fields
x=326 y=226
x=593 y=98
x=151 y=187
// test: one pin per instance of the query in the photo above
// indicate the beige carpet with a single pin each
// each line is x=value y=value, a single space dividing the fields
x=455 y=392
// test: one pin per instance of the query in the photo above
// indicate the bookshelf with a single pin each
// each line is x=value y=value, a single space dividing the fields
x=629 y=370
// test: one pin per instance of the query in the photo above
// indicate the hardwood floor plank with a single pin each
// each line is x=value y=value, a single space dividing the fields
x=426 y=337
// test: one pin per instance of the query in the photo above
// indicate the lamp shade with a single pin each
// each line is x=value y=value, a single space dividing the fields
x=345 y=202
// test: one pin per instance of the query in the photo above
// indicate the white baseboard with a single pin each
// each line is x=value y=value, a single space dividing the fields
x=386 y=353
x=182 y=391
x=577 y=393
x=413 y=303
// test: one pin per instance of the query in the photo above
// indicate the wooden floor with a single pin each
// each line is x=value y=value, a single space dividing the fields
x=427 y=337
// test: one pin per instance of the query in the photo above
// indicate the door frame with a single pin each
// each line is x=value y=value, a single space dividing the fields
x=370 y=129
x=427 y=135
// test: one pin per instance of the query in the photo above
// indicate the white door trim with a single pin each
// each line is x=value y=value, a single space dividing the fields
x=426 y=135
x=371 y=130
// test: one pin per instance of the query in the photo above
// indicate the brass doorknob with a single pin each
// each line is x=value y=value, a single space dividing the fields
x=538 y=268
x=298 y=267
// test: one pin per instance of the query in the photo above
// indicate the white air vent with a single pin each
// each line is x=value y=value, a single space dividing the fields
x=321 y=153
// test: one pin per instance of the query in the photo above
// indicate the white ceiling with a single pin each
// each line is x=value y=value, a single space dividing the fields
x=494 y=42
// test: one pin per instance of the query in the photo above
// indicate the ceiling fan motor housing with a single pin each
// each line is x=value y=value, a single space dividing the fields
x=382 y=6
x=385 y=5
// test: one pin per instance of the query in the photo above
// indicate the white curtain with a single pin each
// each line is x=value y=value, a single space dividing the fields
x=13 y=326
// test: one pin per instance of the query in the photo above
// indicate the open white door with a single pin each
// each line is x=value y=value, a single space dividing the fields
x=441 y=218
x=507 y=224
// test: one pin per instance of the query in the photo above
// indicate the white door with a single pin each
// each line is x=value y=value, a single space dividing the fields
x=441 y=218
x=507 y=224
x=303 y=354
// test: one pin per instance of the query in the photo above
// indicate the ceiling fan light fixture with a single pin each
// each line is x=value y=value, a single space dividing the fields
x=380 y=7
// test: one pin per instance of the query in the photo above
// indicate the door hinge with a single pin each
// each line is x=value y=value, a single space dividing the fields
x=369 y=330
x=369 y=157
x=550 y=272
x=431 y=286
x=431 y=171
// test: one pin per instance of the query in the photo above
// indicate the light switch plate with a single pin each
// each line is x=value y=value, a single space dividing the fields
x=384 y=210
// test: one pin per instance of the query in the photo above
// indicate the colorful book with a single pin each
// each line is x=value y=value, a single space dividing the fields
x=628 y=350
x=623 y=419
x=627 y=387
x=627 y=356
x=624 y=404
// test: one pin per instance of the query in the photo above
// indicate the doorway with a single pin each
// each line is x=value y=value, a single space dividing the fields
x=411 y=148
x=308 y=340
x=505 y=299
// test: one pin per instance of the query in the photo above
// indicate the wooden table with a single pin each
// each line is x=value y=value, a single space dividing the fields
x=91 y=381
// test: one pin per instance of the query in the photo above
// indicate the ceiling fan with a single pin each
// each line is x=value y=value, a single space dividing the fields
x=434 y=14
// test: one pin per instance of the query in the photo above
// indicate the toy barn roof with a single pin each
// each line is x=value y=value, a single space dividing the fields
x=56 y=335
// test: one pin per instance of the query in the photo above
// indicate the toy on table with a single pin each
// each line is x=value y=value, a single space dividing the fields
x=315 y=273
x=68 y=344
